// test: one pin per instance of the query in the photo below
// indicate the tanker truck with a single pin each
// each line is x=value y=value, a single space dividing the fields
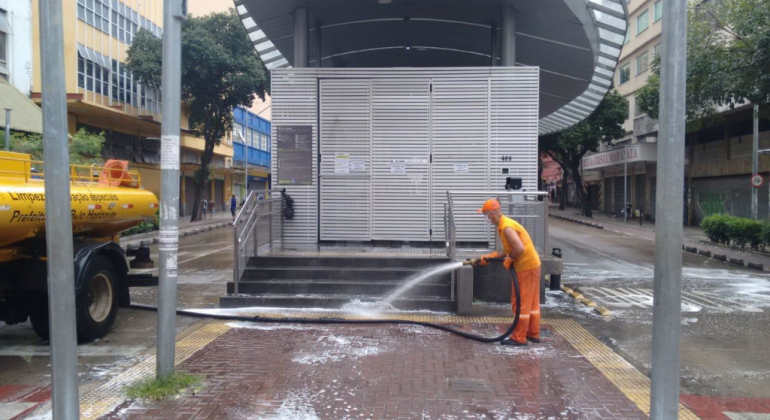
x=105 y=200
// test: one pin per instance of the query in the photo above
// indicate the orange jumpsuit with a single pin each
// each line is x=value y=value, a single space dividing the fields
x=527 y=268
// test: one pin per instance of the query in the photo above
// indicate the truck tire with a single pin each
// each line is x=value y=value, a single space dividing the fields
x=97 y=302
x=40 y=323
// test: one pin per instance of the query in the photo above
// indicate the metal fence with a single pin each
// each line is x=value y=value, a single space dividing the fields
x=257 y=228
x=524 y=207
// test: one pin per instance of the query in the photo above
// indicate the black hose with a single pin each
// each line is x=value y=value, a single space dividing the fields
x=356 y=321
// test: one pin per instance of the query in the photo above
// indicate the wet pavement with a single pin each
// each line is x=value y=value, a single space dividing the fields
x=205 y=265
x=725 y=313
x=725 y=338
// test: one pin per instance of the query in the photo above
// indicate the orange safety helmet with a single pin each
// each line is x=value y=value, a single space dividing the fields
x=489 y=205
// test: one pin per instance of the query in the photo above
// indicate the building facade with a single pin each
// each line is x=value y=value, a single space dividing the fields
x=251 y=139
x=718 y=152
x=103 y=97
x=16 y=44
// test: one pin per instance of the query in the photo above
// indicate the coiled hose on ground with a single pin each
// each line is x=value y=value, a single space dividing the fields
x=361 y=321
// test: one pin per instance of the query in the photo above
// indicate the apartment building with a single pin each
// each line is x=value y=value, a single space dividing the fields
x=103 y=96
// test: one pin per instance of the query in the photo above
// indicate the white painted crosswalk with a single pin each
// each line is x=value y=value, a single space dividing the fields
x=694 y=301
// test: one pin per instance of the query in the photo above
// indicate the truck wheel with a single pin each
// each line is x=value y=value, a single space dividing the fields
x=39 y=320
x=97 y=302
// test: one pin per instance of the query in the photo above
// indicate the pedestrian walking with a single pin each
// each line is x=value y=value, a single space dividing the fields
x=519 y=252
x=204 y=207
x=233 y=205
x=212 y=207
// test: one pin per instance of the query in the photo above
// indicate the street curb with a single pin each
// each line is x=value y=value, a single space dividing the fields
x=133 y=244
x=574 y=220
x=724 y=258
x=578 y=297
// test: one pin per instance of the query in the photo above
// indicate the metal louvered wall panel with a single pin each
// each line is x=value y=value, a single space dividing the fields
x=473 y=115
x=460 y=143
x=345 y=130
x=298 y=105
x=400 y=159
x=514 y=127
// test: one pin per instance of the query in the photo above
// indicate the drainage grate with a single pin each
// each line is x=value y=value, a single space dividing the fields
x=468 y=385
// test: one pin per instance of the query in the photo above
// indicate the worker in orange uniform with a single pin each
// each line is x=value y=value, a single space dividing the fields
x=520 y=253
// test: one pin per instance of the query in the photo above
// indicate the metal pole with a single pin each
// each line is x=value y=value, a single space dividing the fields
x=666 y=325
x=755 y=164
x=625 y=183
x=508 y=38
x=169 y=185
x=58 y=221
x=301 y=35
x=7 y=130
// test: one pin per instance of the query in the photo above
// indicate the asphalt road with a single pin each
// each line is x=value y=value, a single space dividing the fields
x=725 y=310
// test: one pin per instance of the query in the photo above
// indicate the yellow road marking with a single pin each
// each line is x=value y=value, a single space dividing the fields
x=622 y=374
x=100 y=400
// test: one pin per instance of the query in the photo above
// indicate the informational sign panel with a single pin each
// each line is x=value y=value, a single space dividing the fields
x=342 y=163
x=357 y=165
x=398 y=167
x=461 y=168
x=295 y=154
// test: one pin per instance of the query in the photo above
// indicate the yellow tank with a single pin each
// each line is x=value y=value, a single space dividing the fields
x=105 y=200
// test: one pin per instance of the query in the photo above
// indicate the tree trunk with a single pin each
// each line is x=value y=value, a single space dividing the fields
x=200 y=186
x=582 y=194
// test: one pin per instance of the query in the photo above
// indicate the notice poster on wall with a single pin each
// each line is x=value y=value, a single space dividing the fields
x=398 y=167
x=342 y=163
x=295 y=154
x=461 y=168
x=357 y=165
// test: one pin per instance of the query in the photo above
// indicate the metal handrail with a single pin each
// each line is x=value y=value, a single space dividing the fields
x=28 y=175
x=245 y=227
x=451 y=229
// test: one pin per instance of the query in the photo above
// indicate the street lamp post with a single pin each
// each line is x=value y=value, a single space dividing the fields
x=755 y=164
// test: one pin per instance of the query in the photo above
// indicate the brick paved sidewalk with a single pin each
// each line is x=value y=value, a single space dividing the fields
x=256 y=371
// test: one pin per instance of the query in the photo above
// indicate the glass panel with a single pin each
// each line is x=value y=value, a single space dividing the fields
x=81 y=12
x=642 y=63
x=658 y=11
x=625 y=74
x=642 y=22
x=81 y=81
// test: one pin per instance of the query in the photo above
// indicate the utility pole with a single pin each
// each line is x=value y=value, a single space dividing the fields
x=755 y=164
x=7 y=130
x=58 y=221
x=174 y=11
x=666 y=316
x=625 y=184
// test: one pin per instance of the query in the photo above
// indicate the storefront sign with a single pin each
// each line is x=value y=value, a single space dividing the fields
x=295 y=154
x=634 y=153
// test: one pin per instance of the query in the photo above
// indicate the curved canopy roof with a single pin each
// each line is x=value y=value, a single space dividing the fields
x=576 y=43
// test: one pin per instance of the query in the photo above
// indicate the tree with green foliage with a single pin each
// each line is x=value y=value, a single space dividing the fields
x=85 y=148
x=568 y=147
x=728 y=57
x=220 y=70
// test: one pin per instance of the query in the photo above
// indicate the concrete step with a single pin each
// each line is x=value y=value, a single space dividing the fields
x=308 y=301
x=335 y=287
x=345 y=262
x=338 y=273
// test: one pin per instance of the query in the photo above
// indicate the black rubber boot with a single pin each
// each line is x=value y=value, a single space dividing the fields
x=509 y=342
x=533 y=340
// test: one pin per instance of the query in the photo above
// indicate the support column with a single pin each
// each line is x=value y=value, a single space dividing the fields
x=508 y=38
x=182 y=196
x=648 y=189
x=318 y=50
x=301 y=35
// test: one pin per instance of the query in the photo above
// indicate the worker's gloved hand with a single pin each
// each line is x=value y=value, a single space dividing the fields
x=508 y=263
x=483 y=260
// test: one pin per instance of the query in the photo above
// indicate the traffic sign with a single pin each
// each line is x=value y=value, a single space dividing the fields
x=757 y=180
